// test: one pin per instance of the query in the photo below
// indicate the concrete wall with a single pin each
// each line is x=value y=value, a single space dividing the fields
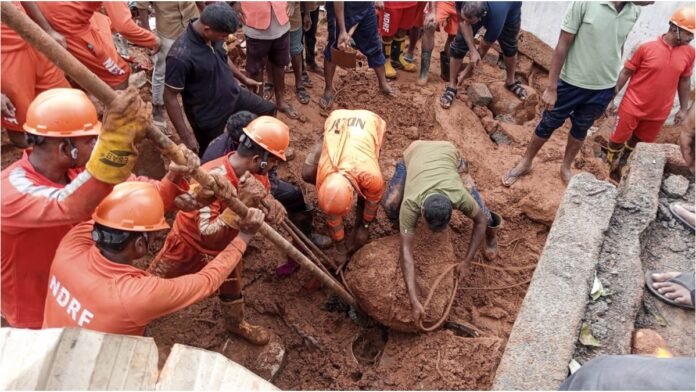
x=543 y=19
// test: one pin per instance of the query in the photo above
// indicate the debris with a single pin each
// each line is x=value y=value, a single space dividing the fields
x=597 y=289
x=675 y=185
x=586 y=337
x=138 y=79
x=480 y=94
x=574 y=366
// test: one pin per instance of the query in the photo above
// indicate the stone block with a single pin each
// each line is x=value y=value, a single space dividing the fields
x=675 y=185
x=479 y=94
x=539 y=348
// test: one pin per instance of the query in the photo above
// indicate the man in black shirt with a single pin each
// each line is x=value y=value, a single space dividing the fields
x=198 y=68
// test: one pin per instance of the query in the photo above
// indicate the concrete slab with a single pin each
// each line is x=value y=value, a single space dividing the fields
x=80 y=359
x=189 y=368
x=540 y=347
x=612 y=317
x=65 y=359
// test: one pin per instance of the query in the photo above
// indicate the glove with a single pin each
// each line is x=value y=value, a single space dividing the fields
x=275 y=212
x=251 y=190
x=125 y=124
x=205 y=195
x=229 y=218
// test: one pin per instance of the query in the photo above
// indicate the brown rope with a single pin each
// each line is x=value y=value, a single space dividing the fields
x=522 y=268
x=445 y=314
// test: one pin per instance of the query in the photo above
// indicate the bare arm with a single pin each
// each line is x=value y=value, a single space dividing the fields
x=624 y=76
x=468 y=34
x=559 y=56
x=686 y=140
x=560 y=53
x=407 y=267
x=477 y=235
x=143 y=17
x=239 y=75
x=177 y=116
x=35 y=14
x=683 y=92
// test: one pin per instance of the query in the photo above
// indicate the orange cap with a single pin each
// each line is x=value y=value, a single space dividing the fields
x=132 y=206
x=335 y=195
x=685 y=18
x=270 y=133
x=62 y=112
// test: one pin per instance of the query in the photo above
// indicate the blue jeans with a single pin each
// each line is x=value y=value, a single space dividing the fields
x=582 y=105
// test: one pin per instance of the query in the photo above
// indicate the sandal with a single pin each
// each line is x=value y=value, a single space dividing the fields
x=684 y=279
x=509 y=179
x=326 y=101
x=268 y=91
x=306 y=80
x=517 y=89
x=448 y=97
x=302 y=95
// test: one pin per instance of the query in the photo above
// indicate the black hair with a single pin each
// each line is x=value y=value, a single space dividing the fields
x=248 y=148
x=473 y=9
x=220 y=17
x=437 y=211
x=111 y=239
x=238 y=121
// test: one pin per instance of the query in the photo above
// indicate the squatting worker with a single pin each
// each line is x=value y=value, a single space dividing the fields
x=347 y=162
x=428 y=182
x=203 y=233
x=93 y=283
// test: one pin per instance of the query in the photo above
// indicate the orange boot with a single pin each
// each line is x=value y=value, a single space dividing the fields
x=233 y=311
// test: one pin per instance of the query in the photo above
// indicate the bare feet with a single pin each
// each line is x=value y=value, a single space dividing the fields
x=672 y=290
x=566 y=174
x=287 y=109
x=388 y=90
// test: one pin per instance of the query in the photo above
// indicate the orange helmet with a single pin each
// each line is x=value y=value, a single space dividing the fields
x=684 y=18
x=335 y=195
x=132 y=206
x=62 y=112
x=270 y=133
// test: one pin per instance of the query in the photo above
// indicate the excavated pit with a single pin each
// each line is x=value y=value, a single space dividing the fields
x=316 y=344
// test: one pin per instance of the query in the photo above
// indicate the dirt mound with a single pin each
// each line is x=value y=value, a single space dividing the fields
x=375 y=278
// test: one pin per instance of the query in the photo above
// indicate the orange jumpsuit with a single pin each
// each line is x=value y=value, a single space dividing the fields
x=352 y=140
x=25 y=73
x=197 y=236
x=87 y=290
x=89 y=38
x=36 y=215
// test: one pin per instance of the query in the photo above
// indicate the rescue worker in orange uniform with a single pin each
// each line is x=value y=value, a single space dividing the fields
x=347 y=162
x=49 y=190
x=88 y=35
x=93 y=283
x=202 y=234
x=26 y=73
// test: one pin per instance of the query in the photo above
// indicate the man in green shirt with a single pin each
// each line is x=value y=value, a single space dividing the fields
x=428 y=182
x=584 y=69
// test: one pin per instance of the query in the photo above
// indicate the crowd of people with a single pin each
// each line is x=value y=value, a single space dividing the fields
x=73 y=191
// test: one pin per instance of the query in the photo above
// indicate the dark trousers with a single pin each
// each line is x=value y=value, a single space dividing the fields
x=582 y=105
x=246 y=101
x=310 y=37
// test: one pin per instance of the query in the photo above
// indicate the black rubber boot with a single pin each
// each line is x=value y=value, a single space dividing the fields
x=444 y=66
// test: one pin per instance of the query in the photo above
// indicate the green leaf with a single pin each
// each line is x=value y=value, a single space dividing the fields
x=597 y=289
x=586 y=337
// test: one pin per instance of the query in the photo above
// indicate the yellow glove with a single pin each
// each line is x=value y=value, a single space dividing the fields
x=229 y=218
x=125 y=124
